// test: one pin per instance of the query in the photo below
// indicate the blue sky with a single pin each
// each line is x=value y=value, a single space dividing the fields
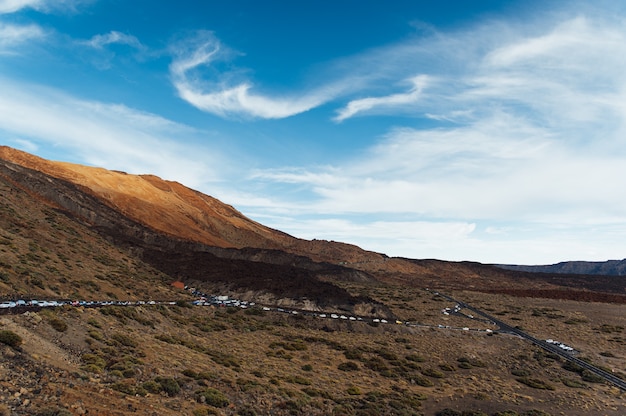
x=491 y=131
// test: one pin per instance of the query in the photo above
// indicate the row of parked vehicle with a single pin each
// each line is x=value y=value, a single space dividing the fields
x=216 y=300
x=53 y=303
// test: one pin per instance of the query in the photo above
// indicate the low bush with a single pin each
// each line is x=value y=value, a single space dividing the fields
x=574 y=383
x=312 y=392
x=152 y=386
x=95 y=334
x=448 y=412
x=53 y=411
x=415 y=358
x=124 y=340
x=430 y=372
x=535 y=383
x=447 y=367
x=212 y=397
x=353 y=354
x=348 y=366
x=298 y=380
x=10 y=338
x=591 y=377
x=168 y=385
x=58 y=324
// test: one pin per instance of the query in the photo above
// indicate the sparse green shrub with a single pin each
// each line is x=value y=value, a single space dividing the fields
x=610 y=329
x=307 y=367
x=92 y=368
x=190 y=373
x=116 y=373
x=521 y=372
x=312 y=392
x=53 y=411
x=168 y=385
x=128 y=372
x=95 y=335
x=152 y=386
x=376 y=364
x=448 y=412
x=279 y=354
x=246 y=384
x=573 y=367
x=574 y=383
x=447 y=367
x=10 y=338
x=590 y=377
x=422 y=381
x=354 y=391
x=212 y=397
x=124 y=388
x=298 y=380
x=353 y=354
x=415 y=358
x=124 y=340
x=57 y=323
x=93 y=359
x=387 y=355
x=200 y=411
x=535 y=412
x=348 y=366
x=535 y=383
x=430 y=372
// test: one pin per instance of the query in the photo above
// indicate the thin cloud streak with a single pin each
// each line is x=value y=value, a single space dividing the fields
x=46 y=6
x=388 y=102
x=113 y=37
x=12 y=36
x=223 y=99
x=106 y=135
x=12 y=6
x=532 y=132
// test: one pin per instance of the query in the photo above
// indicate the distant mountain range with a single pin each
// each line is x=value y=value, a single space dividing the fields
x=606 y=268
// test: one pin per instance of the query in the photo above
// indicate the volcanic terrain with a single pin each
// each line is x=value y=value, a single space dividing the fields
x=70 y=232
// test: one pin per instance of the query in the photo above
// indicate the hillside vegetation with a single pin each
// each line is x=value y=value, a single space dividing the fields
x=80 y=233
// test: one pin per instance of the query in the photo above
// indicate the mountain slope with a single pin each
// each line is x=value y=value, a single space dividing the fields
x=610 y=267
x=40 y=199
x=176 y=210
x=170 y=226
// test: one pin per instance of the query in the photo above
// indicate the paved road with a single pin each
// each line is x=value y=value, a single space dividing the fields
x=504 y=327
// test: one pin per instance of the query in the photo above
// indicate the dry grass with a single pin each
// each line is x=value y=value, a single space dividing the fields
x=288 y=365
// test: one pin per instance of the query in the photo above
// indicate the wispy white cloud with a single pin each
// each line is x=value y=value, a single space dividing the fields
x=538 y=139
x=11 y=6
x=108 y=135
x=114 y=37
x=392 y=101
x=12 y=36
x=46 y=6
x=222 y=97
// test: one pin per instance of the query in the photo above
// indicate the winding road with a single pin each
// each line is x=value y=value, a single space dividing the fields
x=506 y=328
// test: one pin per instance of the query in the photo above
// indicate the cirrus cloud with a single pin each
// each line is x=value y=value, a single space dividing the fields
x=223 y=98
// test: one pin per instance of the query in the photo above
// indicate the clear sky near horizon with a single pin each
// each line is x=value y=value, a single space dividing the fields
x=490 y=131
